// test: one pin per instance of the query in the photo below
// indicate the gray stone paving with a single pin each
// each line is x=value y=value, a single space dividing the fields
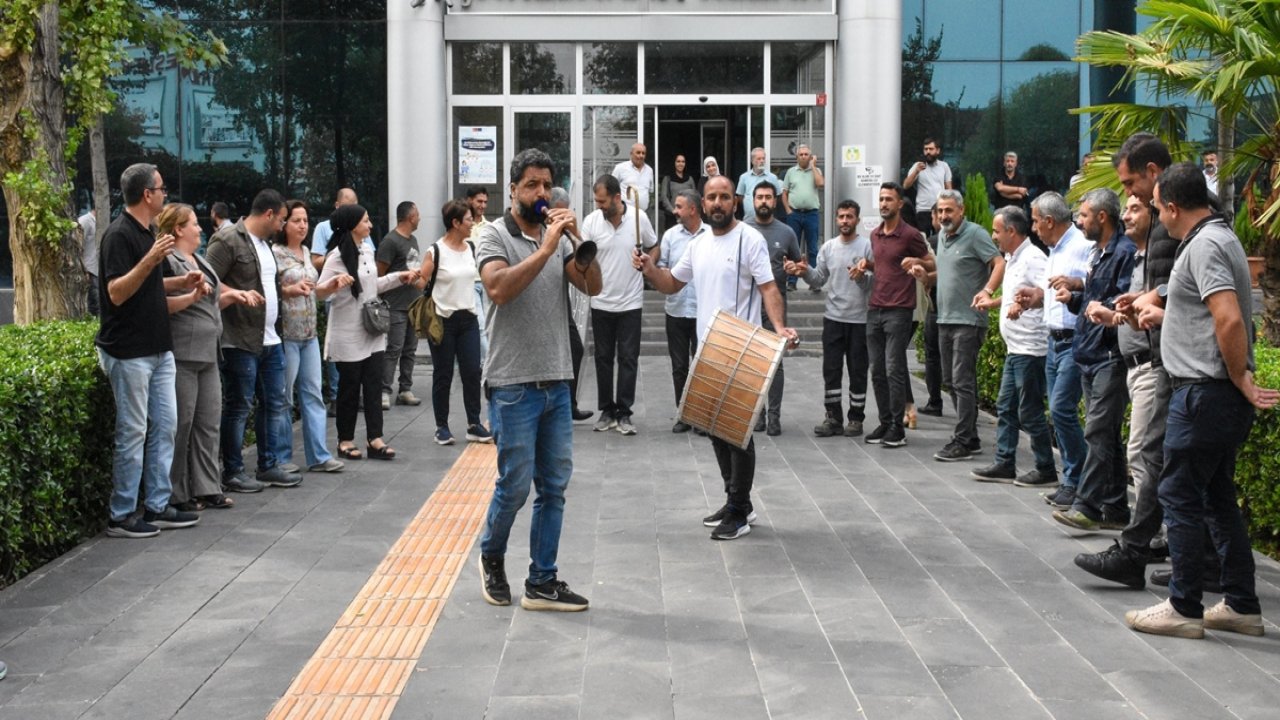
x=878 y=583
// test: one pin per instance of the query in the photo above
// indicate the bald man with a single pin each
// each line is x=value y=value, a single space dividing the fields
x=634 y=173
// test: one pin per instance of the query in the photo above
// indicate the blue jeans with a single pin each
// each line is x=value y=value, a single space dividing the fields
x=1207 y=425
x=246 y=377
x=534 y=433
x=302 y=371
x=805 y=223
x=1063 y=378
x=146 y=420
x=1021 y=407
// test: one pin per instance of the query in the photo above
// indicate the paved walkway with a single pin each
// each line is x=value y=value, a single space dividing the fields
x=878 y=583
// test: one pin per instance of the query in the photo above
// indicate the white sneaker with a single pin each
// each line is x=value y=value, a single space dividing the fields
x=386 y=401
x=1222 y=617
x=1163 y=619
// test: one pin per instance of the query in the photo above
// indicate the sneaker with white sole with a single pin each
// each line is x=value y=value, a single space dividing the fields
x=171 y=518
x=493 y=580
x=479 y=434
x=1222 y=617
x=605 y=422
x=406 y=397
x=331 y=465
x=625 y=427
x=733 y=526
x=552 y=595
x=443 y=436
x=714 y=518
x=1163 y=619
x=132 y=527
x=386 y=401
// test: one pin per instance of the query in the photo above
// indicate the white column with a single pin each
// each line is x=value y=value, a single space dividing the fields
x=418 y=130
x=867 y=95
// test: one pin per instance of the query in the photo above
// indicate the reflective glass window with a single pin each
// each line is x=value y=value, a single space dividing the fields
x=798 y=67
x=1040 y=30
x=1036 y=97
x=964 y=96
x=609 y=68
x=477 y=68
x=543 y=69
x=912 y=12
x=970 y=29
x=608 y=132
x=704 y=67
x=464 y=120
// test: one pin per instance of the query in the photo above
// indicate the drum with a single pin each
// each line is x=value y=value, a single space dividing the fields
x=730 y=377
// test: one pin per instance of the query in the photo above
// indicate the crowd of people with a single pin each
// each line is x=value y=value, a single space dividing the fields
x=1111 y=303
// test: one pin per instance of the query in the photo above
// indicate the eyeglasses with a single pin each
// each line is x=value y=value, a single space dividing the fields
x=162 y=190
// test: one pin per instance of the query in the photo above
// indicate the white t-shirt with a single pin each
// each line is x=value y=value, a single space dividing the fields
x=725 y=270
x=455 y=280
x=929 y=182
x=267 y=269
x=623 y=286
x=640 y=178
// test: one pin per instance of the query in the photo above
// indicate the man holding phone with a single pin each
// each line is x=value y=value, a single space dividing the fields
x=933 y=175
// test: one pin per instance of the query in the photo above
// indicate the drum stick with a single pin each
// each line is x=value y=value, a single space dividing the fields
x=634 y=194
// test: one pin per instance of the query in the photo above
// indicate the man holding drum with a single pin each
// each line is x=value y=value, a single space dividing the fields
x=727 y=269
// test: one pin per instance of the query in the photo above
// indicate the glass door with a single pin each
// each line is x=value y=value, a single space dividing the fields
x=608 y=132
x=551 y=131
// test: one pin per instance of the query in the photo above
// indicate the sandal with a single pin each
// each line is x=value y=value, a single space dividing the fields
x=350 y=453
x=219 y=501
x=382 y=453
x=192 y=505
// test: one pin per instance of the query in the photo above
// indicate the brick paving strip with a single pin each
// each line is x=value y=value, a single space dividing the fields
x=362 y=667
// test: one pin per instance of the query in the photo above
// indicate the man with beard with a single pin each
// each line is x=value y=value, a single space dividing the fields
x=682 y=308
x=616 y=311
x=842 y=269
x=899 y=258
x=526 y=268
x=1101 y=500
x=783 y=246
x=933 y=176
x=732 y=289
x=970 y=269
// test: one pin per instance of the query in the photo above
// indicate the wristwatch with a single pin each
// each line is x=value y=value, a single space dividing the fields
x=1162 y=290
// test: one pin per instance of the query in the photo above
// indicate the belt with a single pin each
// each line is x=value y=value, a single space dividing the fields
x=541 y=384
x=1176 y=382
x=1062 y=334
x=1138 y=358
x=800 y=210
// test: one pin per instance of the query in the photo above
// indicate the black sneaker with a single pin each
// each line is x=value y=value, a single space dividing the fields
x=1062 y=499
x=995 y=473
x=733 y=526
x=171 y=518
x=681 y=427
x=1035 y=478
x=934 y=410
x=1117 y=565
x=774 y=427
x=277 y=477
x=242 y=483
x=493 y=581
x=974 y=447
x=953 y=452
x=714 y=518
x=875 y=437
x=761 y=423
x=1209 y=583
x=580 y=415
x=132 y=527
x=895 y=437
x=829 y=427
x=552 y=595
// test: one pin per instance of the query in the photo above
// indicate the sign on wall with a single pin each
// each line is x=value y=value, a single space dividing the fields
x=478 y=155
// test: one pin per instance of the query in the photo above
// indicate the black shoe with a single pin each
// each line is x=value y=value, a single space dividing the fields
x=934 y=410
x=995 y=473
x=974 y=447
x=331 y=409
x=681 y=427
x=1115 y=521
x=699 y=432
x=1035 y=478
x=1158 y=550
x=894 y=437
x=829 y=427
x=774 y=427
x=132 y=527
x=171 y=518
x=1061 y=499
x=579 y=415
x=714 y=518
x=953 y=452
x=1209 y=583
x=761 y=423
x=493 y=581
x=733 y=526
x=277 y=477
x=1117 y=565
x=875 y=437
x=552 y=595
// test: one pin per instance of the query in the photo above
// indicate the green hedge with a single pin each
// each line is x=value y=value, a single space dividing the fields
x=1257 y=466
x=57 y=422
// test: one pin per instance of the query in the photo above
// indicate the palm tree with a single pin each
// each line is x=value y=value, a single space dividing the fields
x=1203 y=53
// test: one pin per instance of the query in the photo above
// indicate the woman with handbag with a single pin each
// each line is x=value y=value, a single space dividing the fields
x=302 y=368
x=451 y=265
x=358 y=323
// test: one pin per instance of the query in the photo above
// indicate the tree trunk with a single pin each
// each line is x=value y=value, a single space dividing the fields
x=48 y=274
x=101 y=185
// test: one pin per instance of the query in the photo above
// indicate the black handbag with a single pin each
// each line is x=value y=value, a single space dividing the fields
x=376 y=315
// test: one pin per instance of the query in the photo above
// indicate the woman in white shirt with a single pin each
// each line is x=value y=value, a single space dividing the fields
x=455 y=299
x=357 y=352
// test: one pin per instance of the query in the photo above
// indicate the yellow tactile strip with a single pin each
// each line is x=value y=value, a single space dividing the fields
x=361 y=668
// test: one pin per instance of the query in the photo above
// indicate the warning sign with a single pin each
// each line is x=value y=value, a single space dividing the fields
x=869 y=175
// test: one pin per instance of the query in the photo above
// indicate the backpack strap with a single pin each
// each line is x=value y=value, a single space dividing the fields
x=435 y=270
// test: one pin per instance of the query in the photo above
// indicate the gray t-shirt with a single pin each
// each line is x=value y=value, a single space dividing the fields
x=783 y=245
x=962 y=272
x=932 y=180
x=400 y=253
x=846 y=299
x=1211 y=261
x=1133 y=341
x=528 y=336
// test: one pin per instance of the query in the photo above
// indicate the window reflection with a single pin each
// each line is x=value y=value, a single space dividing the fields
x=703 y=67
x=477 y=69
x=797 y=67
x=609 y=68
x=969 y=29
x=543 y=68
x=1040 y=29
